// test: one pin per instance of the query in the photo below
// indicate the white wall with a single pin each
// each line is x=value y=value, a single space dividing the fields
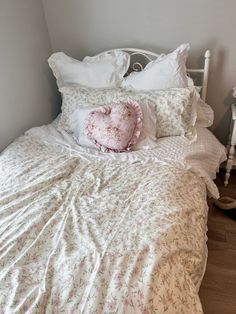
x=81 y=27
x=28 y=96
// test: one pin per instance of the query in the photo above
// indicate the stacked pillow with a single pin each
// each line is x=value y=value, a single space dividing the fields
x=174 y=110
x=102 y=109
x=169 y=71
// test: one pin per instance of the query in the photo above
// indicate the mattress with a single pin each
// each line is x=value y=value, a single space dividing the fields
x=88 y=232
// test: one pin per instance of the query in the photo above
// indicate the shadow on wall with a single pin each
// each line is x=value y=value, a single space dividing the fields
x=222 y=128
x=221 y=131
x=218 y=86
x=225 y=121
x=55 y=97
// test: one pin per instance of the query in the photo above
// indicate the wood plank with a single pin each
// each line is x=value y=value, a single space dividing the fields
x=215 y=303
x=216 y=231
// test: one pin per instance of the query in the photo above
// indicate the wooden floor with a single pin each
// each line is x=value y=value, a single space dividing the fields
x=218 y=290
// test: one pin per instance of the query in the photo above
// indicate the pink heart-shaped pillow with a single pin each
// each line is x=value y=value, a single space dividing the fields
x=115 y=127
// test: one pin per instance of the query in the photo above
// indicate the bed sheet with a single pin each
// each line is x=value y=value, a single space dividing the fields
x=86 y=232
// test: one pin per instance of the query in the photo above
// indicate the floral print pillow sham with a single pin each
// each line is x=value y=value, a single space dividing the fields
x=175 y=109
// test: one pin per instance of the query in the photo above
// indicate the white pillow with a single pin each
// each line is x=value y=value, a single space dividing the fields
x=77 y=121
x=167 y=71
x=147 y=139
x=105 y=70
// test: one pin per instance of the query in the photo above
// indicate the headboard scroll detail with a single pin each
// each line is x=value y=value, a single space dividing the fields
x=139 y=58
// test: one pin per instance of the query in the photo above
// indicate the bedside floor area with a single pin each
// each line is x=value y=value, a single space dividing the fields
x=218 y=289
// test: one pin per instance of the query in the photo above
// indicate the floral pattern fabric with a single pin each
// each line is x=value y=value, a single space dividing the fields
x=98 y=236
x=175 y=108
x=115 y=127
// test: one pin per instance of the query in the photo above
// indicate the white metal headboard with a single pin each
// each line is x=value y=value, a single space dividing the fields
x=139 y=58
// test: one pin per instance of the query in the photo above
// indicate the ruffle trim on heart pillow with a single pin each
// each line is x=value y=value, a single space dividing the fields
x=115 y=127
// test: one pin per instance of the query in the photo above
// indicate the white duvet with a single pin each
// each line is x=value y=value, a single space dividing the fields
x=85 y=232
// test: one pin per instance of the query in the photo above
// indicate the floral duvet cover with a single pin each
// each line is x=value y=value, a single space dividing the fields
x=86 y=235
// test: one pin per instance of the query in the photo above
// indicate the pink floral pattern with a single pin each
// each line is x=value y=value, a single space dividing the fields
x=115 y=127
x=175 y=108
x=98 y=236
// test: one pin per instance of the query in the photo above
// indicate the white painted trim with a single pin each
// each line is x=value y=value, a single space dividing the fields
x=206 y=74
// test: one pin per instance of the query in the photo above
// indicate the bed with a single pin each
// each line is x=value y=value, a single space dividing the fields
x=83 y=231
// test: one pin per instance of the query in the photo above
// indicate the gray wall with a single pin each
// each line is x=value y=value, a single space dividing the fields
x=86 y=27
x=28 y=96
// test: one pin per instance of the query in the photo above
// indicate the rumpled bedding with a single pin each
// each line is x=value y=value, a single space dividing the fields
x=85 y=233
